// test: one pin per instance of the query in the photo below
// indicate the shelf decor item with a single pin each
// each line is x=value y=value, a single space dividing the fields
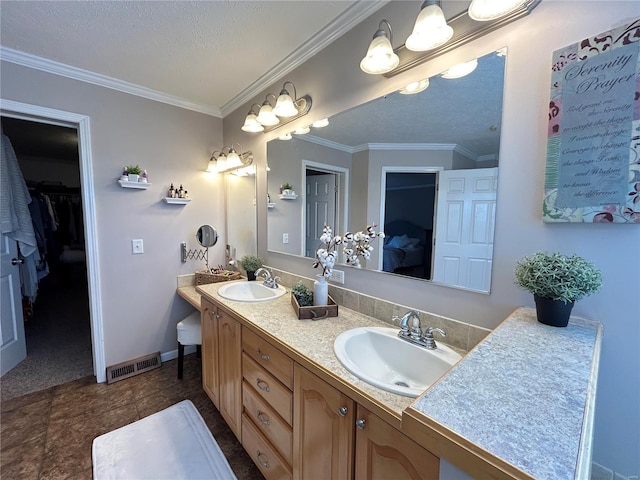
x=557 y=281
x=302 y=303
x=251 y=263
x=133 y=172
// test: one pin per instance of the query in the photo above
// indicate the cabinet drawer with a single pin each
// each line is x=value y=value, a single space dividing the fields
x=268 y=388
x=268 y=356
x=266 y=459
x=268 y=422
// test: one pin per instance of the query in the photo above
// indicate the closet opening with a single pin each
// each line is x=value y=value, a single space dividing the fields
x=55 y=306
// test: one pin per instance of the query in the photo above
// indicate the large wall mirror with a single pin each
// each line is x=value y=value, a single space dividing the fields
x=423 y=166
x=241 y=213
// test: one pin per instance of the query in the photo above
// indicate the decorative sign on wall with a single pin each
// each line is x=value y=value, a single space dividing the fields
x=593 y=148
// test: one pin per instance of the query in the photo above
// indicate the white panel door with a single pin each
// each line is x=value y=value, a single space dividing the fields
x=321 y=209
x=465 y=216
x=13 y=348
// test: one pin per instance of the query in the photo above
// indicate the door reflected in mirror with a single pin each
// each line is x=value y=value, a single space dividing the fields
x=423 y=167
x=207 y=236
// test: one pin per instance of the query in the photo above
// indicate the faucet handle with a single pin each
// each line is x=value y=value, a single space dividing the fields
x=428 y=333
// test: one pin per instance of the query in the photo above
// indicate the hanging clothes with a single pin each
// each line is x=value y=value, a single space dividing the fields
x=15 y=217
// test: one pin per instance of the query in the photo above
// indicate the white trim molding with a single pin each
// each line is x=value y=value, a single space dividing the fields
x=26 y=111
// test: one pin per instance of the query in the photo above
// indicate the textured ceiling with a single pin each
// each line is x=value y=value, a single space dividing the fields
x=207 y=52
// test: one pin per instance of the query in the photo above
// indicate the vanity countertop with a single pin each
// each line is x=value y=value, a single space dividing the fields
x=519 y=405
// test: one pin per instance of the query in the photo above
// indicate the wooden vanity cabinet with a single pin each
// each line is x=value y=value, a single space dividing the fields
x=267 y=397
x=222 y=363
x=335 y=438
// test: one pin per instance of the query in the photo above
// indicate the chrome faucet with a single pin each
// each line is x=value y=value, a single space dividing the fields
x=411 y=331
x=269 y=280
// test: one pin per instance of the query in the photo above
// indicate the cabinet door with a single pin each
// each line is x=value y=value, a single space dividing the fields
x=209 y=326
x=230 y=366
x=323 y=429
x=382 y=452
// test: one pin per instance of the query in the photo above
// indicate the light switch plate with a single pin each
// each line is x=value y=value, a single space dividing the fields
x=137 y=246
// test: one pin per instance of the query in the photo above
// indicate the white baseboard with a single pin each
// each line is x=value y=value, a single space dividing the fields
x=166 y=356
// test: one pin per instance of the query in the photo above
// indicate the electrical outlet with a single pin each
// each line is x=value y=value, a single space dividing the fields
x=285 y=238
x=337 y=276
x=137 y=246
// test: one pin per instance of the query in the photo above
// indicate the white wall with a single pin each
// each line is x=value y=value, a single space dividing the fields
x=139 y=306
x=519 y=229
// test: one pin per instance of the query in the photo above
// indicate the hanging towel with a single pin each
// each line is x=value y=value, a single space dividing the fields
x=15 y=219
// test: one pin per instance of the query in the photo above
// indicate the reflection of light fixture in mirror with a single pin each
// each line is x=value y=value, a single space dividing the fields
x=415 y=87
x=302 y=130
x=251 y=123
x=286 y=136
x=460 y=70
x=430 y=30
x=285 y=105
x=266 y=116
x=380 y=57
x=485 y=10
x=320 y=123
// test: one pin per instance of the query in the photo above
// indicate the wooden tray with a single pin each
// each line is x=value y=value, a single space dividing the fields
x=204 y=277
x=315 y=312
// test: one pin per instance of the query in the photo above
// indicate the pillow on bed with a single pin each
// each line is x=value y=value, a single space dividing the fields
x=414 y=242
x=400 y=241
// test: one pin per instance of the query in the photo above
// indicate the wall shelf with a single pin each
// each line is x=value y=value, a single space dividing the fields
x=288 y=197
x=177 y=201
x=139 y=185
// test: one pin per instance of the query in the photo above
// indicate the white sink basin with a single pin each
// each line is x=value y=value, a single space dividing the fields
x=377 y=356
x=253 y=291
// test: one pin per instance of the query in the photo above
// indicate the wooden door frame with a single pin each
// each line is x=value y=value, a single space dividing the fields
x=25 y=111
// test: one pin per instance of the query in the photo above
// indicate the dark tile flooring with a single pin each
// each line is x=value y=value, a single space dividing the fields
x=48 y=434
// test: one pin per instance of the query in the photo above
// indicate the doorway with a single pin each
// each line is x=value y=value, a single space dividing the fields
x=59 y=326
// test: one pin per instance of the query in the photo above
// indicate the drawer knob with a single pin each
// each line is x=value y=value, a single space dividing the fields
x=263 y=419
x=262 y=385
x=360 y=423
x=262 y=459
x=263 y=356
x=343 y=411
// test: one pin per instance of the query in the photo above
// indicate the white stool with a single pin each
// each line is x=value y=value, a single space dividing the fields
x=188 y=334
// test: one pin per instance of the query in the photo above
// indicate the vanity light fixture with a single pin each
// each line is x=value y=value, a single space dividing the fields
x=251 y=123
x=430 y=30
x=380 y=57
x=486 y=10
x=460 y=70
x=266 y=117
x=286 y=136
x=229 y=161
x=285 y=105
x=415 y=87
x=302 y=130
x=320 y=123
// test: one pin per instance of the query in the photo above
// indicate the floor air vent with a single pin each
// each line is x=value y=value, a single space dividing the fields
x=133 y=367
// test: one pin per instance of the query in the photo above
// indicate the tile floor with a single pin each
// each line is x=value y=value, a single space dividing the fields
x=48 y=434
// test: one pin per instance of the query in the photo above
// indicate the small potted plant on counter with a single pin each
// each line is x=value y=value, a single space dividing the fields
x=251 y=263
x=557 y=281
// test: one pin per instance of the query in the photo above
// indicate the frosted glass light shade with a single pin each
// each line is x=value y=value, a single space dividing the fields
x=284 y=106
x=486 y=10
x=430 y=30
x=251 y=124
x=415 y=87
x=233 y=159
x=460 y=70
x=266 y=116
x=302 y=130
x=221 y=163
x=286 y=136
x=380 y=57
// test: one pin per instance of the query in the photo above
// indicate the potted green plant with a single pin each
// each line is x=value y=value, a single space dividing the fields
x=557 y=281
x=287 y=189
x=133 y=172
x=303 y=294
x=251 y=263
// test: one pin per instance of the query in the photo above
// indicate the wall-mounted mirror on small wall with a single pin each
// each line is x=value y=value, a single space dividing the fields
x=423 y=166
x=241 y=214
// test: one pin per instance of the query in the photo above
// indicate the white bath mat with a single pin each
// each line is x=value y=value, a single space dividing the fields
x=172 y=444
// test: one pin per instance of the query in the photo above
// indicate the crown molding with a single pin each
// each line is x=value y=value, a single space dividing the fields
x=389 y=146
x=353 y=15
x=324 y=142
x=61 y=69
